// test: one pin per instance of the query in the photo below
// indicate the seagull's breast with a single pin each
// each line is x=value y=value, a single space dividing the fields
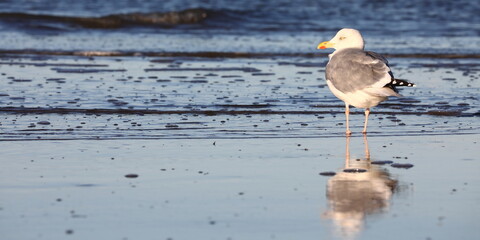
x=359 y=98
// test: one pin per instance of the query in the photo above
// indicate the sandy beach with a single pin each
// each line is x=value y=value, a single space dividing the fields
x=241 y=148
x=212 y=120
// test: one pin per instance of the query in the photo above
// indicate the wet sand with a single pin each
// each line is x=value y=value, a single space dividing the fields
x=132 y=147
x=196 y=119
x=72 y=97
x=240 y=188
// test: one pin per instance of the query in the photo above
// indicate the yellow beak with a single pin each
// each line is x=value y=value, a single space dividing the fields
x=324 y=45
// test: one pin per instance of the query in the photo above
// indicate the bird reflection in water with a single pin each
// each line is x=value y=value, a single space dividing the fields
x=356 y=191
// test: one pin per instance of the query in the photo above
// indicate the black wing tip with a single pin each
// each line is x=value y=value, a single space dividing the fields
x=401 y=83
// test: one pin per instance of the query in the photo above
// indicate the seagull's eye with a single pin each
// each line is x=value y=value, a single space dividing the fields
x=341 y=38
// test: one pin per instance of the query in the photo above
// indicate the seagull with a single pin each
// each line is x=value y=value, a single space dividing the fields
x=360 y=78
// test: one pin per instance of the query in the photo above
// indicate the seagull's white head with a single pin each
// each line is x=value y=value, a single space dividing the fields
x=345 y=38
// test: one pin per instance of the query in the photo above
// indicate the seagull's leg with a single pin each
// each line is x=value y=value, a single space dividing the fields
x=347 y=112
x=347 y=152
x=367 y=112
x=367 y=150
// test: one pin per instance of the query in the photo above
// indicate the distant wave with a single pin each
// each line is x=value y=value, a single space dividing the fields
x=189 y=16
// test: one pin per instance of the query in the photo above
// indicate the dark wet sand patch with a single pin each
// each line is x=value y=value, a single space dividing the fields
x=401 y=165
x=194 y=81
x=263 y=74
x=220 y=69
x=131 y=175
x=43 y=64
x=382 y=162
x=22 y=80
x=81 y=70
x=327 y=174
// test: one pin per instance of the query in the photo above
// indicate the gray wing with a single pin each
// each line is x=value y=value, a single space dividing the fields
x=352 y=69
